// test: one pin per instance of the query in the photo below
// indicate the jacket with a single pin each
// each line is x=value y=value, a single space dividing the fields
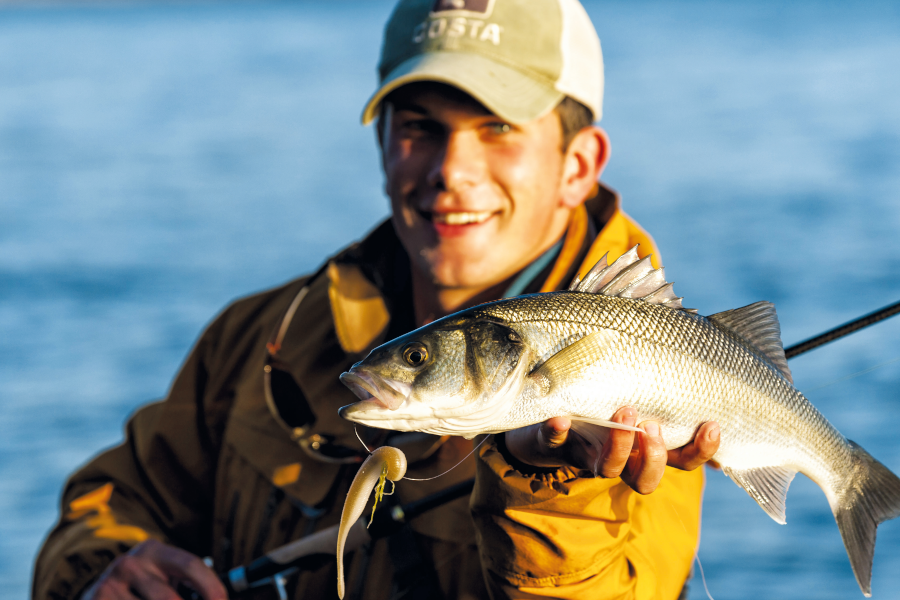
x=217 y=469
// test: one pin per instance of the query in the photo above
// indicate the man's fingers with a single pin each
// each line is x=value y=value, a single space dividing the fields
x=618 y=447
x=541 y=445
x=640 y=460
x=108 y=588
x=131 y=577
x=700 y=450
x=181 y=565
x=554 y=432
x=148 y=572
x=648 y=463
x=149 y=587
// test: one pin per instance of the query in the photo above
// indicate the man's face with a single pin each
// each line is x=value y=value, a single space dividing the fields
x=475 y=199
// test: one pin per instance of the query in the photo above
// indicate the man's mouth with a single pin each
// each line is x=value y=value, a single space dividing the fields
x=461 y=218
x=449 y=223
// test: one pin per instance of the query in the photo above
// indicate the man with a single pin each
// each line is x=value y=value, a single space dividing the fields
x=491 y=163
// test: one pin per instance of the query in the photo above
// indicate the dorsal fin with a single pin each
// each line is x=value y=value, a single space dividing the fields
x=758 y=324
x=629 y=277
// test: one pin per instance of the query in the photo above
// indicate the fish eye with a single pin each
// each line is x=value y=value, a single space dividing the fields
x=415 y=354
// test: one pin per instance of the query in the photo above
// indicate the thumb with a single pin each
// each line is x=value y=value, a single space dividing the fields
x=554 y=432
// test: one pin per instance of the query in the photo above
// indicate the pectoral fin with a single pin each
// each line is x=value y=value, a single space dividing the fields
x=568 y=363
x=767 y=485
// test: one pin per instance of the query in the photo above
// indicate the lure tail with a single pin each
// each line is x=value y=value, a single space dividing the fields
x=870 y=496
x=384 y=463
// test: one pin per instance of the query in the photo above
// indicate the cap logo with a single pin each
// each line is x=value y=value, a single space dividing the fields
x=481 y=8
x=450 y=31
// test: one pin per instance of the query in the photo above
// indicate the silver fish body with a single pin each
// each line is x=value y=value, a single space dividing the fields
x=520 y=361
x=673 y=367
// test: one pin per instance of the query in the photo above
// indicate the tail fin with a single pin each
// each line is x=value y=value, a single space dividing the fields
x=870 y=496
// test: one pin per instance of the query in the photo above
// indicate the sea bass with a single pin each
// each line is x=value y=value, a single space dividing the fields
x=620 y=337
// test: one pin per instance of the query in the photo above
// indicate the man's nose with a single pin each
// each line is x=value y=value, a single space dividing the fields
x=460 y=165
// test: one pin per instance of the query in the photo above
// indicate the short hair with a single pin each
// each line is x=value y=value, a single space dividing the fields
x=573 y=117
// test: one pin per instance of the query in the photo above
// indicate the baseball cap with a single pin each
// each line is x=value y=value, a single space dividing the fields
x=519 y=58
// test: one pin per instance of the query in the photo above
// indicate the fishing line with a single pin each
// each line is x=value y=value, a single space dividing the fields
x=360 y=440
x=456 y=465
x=852 y=375
x=696 y=553
x=427 y=478
x=703 y=576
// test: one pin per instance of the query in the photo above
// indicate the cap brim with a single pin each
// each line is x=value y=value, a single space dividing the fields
x=506 y=92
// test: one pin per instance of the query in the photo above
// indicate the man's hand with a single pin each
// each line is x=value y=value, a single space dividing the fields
x=640 y=462
x=151 y=571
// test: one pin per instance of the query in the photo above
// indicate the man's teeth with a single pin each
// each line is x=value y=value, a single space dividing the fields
x=461 y=218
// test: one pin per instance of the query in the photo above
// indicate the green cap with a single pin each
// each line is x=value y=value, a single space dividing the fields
x=517 y=57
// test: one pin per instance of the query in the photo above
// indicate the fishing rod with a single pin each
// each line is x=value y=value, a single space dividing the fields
x=318 y=549
x=842 y=330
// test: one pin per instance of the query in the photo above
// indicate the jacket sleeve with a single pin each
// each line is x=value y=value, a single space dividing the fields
x=158 y=483
x=566 y=534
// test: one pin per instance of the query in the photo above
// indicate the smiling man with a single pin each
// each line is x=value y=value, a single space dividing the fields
x=485 y=115
x=476 y=198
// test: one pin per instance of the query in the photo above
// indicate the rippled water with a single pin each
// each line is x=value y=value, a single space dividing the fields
x=159 y=161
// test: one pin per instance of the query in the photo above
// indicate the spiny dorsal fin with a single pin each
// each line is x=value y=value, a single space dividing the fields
x=629 y=277
x=758 y=324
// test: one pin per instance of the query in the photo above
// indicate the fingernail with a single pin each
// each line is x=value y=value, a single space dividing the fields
x=630 y=417
x=651 y=428
x=714 y=434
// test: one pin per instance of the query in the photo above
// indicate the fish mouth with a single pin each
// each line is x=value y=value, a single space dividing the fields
x=374 y=393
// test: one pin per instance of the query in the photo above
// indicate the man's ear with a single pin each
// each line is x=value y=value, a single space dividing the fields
x=585 y=159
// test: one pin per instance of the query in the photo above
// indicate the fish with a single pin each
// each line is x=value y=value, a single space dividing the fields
x=621 y=337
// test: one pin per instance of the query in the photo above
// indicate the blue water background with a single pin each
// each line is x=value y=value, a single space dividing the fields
x=157 y=161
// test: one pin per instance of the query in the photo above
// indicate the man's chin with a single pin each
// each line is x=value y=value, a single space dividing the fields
x=470 y=261
x=463 y=274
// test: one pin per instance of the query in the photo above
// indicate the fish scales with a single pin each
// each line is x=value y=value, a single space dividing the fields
x=778 y=412
x=587 y=352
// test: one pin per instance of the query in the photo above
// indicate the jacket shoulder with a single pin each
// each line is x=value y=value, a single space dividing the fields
x=243 y=310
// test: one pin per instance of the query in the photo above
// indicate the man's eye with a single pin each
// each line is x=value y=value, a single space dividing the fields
x=422 y=126
x=500 y=128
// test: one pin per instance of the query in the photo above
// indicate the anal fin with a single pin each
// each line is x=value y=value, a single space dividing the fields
x=767 y=485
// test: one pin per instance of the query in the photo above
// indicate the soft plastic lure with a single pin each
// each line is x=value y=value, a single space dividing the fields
x=383 y=463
